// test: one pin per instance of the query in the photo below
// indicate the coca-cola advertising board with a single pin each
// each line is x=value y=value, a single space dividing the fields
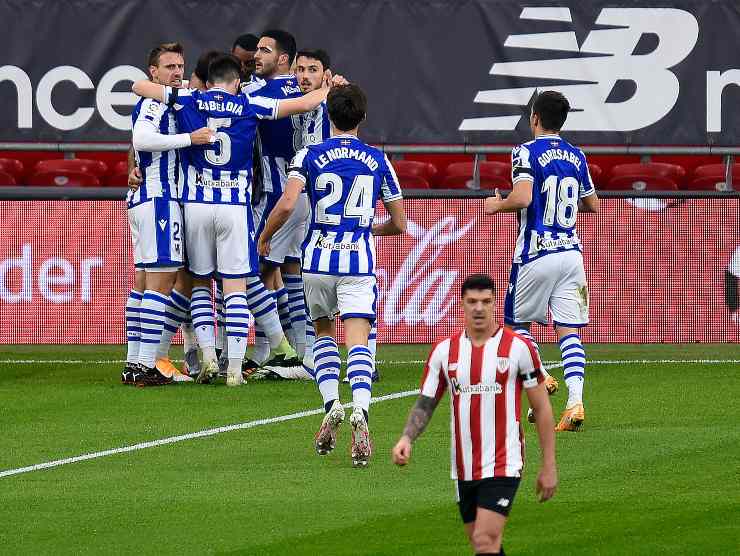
x=656 y=269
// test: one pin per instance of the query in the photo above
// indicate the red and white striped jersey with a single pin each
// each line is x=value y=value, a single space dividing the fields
x=485 y=385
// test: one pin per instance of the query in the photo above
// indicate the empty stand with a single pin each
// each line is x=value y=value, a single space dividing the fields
x=646 y=175
x=6 y=178
x=119 y=176
x=413 y=182
x=12 y=166
x=83 y=165
x=466 y=182
x=642 y=183
x=64 y=178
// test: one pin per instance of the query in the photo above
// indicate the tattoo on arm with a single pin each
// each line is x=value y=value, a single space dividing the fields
x=131 y=159
x=420 y=416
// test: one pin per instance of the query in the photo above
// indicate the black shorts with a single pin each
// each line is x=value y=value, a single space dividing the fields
x=496 y=494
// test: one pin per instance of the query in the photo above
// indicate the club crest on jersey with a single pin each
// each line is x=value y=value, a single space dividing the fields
x=502 y=365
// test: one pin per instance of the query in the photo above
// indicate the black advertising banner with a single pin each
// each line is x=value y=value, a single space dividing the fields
x=436 y=71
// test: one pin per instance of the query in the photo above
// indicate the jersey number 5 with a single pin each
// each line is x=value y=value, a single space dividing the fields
x=359 y=203
x=222 y=140
x=562 y=201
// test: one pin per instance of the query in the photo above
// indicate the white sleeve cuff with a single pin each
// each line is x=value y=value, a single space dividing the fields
x=146 y=138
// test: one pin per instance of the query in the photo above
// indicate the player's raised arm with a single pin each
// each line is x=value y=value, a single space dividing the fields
x=147 y=89
x=309 y=101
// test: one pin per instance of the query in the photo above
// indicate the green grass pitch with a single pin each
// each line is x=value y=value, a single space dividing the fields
x=654 y=472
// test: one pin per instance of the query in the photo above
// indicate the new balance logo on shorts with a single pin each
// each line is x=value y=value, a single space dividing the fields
x=503 y=502
x=606 y=57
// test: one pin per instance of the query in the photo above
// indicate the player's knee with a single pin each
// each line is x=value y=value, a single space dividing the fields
x=486 y=540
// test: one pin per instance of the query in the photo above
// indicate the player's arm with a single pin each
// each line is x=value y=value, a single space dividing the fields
x=134 y=174
x=433 y=385
x=309 y=101
x=588 y=199
x=519 y=198
x=147 y=89
x=280 y=214
x=547 y=479
x=390 y=192
x=534 y=384
x=396 y=224
x=590 y=203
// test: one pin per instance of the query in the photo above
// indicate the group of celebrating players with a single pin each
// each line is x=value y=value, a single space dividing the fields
x=253 y=176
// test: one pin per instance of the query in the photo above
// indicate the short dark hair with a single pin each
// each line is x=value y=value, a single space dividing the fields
x=478 y=282
x=224 y=68
x=318 y=54
x=284 y=41
x=552 y=107
x=201 y=66
x=157 y=51
x=347 y=106
x=247 y=41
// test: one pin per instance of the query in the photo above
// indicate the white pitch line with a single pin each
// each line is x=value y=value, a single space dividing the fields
x=189 y=436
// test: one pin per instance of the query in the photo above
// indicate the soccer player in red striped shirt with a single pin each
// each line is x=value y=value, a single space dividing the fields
x=485 y=367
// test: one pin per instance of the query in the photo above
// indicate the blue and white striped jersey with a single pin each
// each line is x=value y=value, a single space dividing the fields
x=316 y=125
x=280 y=139
x=560 y=178
x=344 y=179
x=222 y=172
x=159 y=170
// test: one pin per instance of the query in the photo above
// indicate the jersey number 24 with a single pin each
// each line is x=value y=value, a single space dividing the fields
x=359 y=203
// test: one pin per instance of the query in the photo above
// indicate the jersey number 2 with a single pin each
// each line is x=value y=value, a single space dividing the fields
x=359 y=203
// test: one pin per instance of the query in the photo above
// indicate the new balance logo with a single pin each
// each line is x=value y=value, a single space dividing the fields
x=162 y=224
x=605 y=58
x=503 y=502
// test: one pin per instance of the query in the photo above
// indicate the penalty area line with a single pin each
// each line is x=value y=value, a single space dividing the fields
x=189 y=436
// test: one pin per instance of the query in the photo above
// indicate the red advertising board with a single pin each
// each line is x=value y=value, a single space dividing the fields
x=656 y=270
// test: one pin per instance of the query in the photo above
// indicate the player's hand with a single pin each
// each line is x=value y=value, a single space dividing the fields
x=338 y=80
x=547 y=482
x=202 y=136
x=263 y=246
x=134 y=178
x=402 y=451
x=493 y=204
x=326 y=81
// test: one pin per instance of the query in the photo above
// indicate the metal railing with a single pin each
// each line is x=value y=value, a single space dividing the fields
x=395 y=150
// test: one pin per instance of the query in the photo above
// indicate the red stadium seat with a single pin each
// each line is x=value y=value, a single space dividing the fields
x=487 y=168
x=466 y=182
x=596 y=172
x=84 y=165
x=641 y=182
x=716 y=170
x=6 y=178
x=64 y=178
x=713 y=183
x=117 y=179
x=414 y=168
x=413 y=182
x=13 y=167
x=649 y=169
x=121 y=167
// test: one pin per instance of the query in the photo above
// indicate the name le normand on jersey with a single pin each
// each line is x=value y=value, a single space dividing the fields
x=345 y=152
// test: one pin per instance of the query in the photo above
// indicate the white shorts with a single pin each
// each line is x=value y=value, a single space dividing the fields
x=220 y=240
x=157 y=235
x=350 y=296
x=556 y=282
x=286 y=244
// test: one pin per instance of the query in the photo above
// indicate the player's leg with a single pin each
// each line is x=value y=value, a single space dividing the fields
x=176 y=313
x=237 y=260
x=263 y=307
x=356 y=297
x=321 y=294
x=494 y=499
x=526 y=301
x=218 y=306
x=201 y=245
x=237 y=327
x=570 y=313
x=291 y=273
x=133 y=328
